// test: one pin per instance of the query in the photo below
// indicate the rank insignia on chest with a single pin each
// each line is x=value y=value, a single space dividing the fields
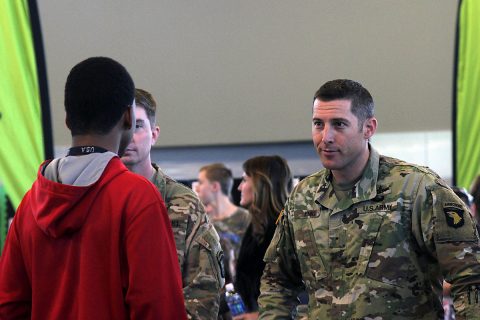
x=454 y=216
x=323 y=188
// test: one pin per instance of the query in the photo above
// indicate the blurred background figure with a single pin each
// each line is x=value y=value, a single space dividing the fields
x=475 y=192
x=214 y=188
x=463 y=194
x=198 y=245
x=265 y=186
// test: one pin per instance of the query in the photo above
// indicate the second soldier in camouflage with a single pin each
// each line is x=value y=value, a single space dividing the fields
x=368 y=237
x=198 y=246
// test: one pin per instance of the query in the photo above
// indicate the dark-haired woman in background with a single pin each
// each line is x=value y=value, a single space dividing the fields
x=266 y=184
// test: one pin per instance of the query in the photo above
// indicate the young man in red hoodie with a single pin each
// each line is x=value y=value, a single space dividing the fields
x=85 y=240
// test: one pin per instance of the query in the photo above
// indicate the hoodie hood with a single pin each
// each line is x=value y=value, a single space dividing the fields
x=66 y=189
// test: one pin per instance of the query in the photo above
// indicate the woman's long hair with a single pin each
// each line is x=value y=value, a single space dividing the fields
x=272 y=183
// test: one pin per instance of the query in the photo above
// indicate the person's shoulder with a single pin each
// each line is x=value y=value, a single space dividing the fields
x=128 y=188
x=398 y=170
x=241 y=212
x=173 y=186
x=311 y=181
x=179 y=189
x=241 y=216
x=130 y=180
x=390 y=164
x=180 y=199
x=175 y=189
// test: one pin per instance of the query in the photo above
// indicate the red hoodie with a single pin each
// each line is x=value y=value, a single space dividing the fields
x=102 y=251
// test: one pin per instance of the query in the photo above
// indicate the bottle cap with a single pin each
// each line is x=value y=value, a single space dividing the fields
x=229 y=287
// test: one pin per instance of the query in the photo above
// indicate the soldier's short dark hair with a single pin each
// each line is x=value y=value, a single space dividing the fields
x=97 y=92
x=220 y=173
x=145 y=100
x=362 y=102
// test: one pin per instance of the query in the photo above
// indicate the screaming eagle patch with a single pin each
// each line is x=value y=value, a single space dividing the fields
x=454 y=214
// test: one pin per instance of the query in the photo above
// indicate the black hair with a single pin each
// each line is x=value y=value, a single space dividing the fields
x=475 y=191
x=97 y=92
x=362 y=102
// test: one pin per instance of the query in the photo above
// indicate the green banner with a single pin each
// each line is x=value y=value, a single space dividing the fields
x=3 y=216
x=21 y=134
x=467 y=126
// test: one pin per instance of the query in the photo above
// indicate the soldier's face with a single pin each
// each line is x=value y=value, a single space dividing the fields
x=204 y=189
x=127 y=135
x=144 y=136
x=340 y=140
x=246 y=191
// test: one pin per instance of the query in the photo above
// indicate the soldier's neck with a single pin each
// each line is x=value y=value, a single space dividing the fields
x=223 y=209
x=143 y=168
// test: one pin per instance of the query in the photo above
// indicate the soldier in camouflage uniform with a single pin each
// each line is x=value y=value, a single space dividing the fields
x=214 y=187
x=368 y=237
x=215 y=182
x=198 y=247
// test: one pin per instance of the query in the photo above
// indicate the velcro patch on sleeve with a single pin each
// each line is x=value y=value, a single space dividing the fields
x=454 y=215
x=453 y=222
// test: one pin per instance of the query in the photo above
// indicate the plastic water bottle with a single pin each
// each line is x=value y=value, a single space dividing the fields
x=234 y=301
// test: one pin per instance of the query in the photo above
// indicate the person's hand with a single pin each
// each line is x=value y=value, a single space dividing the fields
x=247 y=316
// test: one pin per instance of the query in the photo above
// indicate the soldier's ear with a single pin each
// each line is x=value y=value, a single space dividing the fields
x=129 y=118
x=216 y=186
x=369 y=127
x=155 y=134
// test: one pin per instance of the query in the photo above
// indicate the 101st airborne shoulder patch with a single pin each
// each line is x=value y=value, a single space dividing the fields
x=454 y=214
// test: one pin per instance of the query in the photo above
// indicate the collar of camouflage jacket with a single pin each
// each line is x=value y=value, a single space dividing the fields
x=365 y=188
x=158 y=179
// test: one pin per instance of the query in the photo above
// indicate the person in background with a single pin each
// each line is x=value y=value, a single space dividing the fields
x=214 y=187
x=463 y=194
x=368 y=236
x=198 y=246
x=91 y=240
x=475 y=192
x=265 y=186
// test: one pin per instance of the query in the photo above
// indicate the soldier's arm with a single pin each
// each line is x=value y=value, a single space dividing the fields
x=281 y=281
x=449 y=232
x=202 y=274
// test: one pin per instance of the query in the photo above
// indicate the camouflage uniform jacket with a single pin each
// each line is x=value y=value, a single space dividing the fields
x=198 y=247
x=381 y=254
x=231 y=231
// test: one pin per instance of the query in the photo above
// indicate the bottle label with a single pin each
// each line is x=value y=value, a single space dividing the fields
x=235 y=304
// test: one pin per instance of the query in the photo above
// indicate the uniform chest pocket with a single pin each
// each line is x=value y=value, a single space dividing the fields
x=310 y=235
x=391 y=261
x=367 y=235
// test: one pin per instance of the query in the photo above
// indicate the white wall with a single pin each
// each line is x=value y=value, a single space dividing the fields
x=228 y=72
x=432 y=149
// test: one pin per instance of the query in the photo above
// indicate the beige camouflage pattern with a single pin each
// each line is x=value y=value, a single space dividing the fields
x=198 y=247
x=231 y=231
x=379 y=255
